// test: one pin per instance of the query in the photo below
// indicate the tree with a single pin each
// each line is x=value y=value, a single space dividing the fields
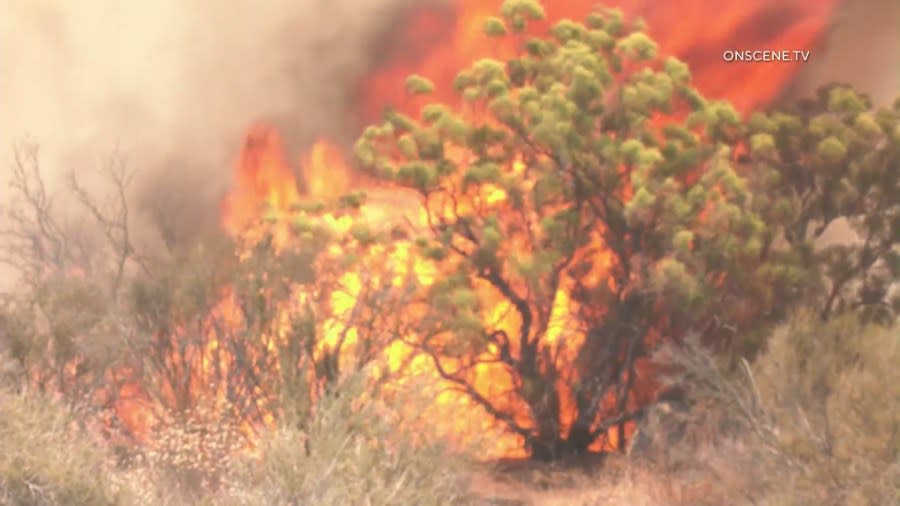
x=821 y=164
x=585 y=192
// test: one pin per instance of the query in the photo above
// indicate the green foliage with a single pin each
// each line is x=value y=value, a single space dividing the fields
x=518 y=12
x=418 y=85
x=494 y=27
x=829 y=164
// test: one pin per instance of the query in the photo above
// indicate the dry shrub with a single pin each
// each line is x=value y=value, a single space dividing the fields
x=814 y=419
x=46 y=460
x=354 y=450
x=832 y=393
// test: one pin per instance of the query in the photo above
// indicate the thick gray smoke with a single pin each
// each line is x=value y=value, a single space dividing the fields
x=172 y=85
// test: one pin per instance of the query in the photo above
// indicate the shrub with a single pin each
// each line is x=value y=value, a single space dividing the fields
x=570 y=172
x=831 y=394
x=45 y=459
x=354 y=450
x=825 y=172
x=812 y=421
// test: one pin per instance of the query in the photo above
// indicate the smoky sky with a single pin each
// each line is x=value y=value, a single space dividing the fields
x=176 y=79
x=172 y=85
x=862 y=49
x=179 y=81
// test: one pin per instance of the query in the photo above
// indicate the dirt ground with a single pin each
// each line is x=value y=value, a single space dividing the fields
x=589 y=481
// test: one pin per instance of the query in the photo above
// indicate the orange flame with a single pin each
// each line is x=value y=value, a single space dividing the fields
x=697 y=31
x=263 y=178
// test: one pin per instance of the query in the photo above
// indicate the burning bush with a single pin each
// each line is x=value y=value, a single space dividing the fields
x=299 y=307
x=583 y=205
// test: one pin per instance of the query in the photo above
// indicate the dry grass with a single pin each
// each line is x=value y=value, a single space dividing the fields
x=813 y=420
x=617 y=480
x=787 y=431
x=46 y=460
x=351 y=451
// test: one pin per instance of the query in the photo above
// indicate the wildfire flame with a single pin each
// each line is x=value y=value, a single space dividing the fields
x=695 y=31
x=445 y=39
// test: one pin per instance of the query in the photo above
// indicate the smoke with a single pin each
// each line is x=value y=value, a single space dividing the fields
x=862 y=49
x=172 y=85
